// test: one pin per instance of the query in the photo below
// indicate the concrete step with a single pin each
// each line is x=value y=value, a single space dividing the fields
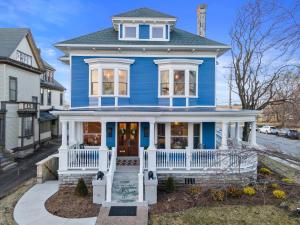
x=115 y=203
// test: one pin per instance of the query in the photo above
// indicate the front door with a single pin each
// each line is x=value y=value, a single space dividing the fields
x=128 y=139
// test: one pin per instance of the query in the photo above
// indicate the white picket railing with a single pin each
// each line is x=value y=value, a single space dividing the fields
x=187 y=159
x=83 y=159
x=110 y=174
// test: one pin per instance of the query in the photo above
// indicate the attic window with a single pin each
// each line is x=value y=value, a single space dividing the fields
x=130 y=32
x=24 y=58
x=157 y=32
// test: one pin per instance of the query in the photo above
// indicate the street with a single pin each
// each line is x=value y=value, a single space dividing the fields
x=26 y=168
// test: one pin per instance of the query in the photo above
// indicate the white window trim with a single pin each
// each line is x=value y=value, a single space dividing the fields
x=164 y=32
x=137 y=32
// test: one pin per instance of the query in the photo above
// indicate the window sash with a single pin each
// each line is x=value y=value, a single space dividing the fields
x=161 y=136
x=123 y=82
x=130 y=31
x=49 y=98
x=27 y=126
x=164 y=83
x=13 y=88
x=42 y=97
x=192 y=83
x=179 y=82
x=94 y=82
x=157 y=32
x=108 y=82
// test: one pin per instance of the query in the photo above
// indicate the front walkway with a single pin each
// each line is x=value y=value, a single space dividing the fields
x=30 y=209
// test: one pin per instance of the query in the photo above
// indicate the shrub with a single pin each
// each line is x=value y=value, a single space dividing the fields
x=234 y=191
x=170 y=185
x=264 y=170
x=287 y=180
x=279 y=194
x=81 y=188
x=249 y=191
x=194 y=190
x=274 y=185
x=217 y=195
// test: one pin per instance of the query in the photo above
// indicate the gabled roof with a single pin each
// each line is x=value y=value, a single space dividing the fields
x=144 y=13
x=109 y=36
x=52 y=85
x=10 y=39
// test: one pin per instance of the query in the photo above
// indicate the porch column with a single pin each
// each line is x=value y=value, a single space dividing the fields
x=224 y=135
x=253 y=134
x=103 y=135
x=237 y=132
x=71 y=132
x=151 y=149
x=168 y=135
x=80 y=132
x=63 y=150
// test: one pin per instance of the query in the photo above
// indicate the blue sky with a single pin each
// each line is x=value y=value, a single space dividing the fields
x=52 y=21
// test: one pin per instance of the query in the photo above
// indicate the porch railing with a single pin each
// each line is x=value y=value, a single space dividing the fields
x=141 y=176
x=189 y=159
x=110 y=174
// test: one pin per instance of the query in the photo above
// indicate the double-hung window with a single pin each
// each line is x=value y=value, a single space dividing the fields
x=179 y=82
x=27 y=126
x=108 y=82
x=13 y=89
x=179 y=135
x=130 y=32
x=42 y=96
x=164 y=82
x=94 y=82
x=123 y=82
x=49 y=97
x=157 y=32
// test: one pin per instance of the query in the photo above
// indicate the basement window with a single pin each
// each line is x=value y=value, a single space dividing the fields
x=189 y=180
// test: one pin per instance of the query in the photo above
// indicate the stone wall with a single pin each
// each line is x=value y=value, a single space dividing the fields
x=47 y=169
x=72 y=178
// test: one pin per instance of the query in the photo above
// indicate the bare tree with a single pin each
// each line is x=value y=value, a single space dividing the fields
x=258 y=61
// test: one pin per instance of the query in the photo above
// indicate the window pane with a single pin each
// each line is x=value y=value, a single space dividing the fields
x=94 y=82
x=108 y=82
x=179 y=142
x=94 y=75
x=130 y=32
x=161 y=140
x=92 y=133
x=157 y=32
x=179 y=82
x=164 y=82
x=192 y=85
x=95 y=88
x=179 y=129
x=123 y=82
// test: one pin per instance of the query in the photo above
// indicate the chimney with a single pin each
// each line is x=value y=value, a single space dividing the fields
x=201 y=19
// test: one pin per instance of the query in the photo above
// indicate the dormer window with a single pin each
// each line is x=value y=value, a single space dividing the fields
x=130 y=31
x=24 y=58
x=157 y=32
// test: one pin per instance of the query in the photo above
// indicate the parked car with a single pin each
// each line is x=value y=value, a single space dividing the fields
x=283 y=132
x=258 y=127
x=266 y=129
x=293 y=134
x=274 y=130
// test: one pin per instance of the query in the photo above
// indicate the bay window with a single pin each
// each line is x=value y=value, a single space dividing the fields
x=179 y=135
x=108 y=82
x=192 y=83
x=179 y=82
x=123 y=82
x=164 y=82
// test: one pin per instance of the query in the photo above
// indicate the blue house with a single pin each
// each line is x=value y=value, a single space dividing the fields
x=143 y=98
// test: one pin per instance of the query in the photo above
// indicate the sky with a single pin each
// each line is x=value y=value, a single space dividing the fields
x=52 y=21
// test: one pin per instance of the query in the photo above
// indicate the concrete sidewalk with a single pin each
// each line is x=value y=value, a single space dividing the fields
x=30 y=209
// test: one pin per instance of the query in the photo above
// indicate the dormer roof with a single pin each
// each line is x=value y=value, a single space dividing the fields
x=144 y=13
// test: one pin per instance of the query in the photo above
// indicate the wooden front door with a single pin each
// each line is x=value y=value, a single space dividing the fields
x=128 y=139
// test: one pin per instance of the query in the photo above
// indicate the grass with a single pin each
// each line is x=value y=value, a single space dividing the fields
x=227 y=215
x=8 y=203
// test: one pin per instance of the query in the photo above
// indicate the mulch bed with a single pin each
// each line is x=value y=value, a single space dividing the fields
x=65 y=203
x=182 y=198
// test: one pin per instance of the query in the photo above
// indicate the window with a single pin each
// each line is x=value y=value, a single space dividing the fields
x=130 y=32
x=192 y=83
x=27 y=126
x=24 y=58
x=197 y=136
x=42 y=96
x=157 y=32
x=179 y=82
x=94 y=82
x=179 y=135
x=49 y=97
x=1 y=130
x=13 y=86
x=108 y=82
x=161 y=136
x=123 y=82
x=92 y=133
x=61 y=98
x=164 y=83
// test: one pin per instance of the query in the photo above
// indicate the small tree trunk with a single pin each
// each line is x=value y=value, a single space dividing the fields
x=246 y=131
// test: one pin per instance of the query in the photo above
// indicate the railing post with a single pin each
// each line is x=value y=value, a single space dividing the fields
x=152 y=160
x=188 y=158
x=109 y=186
x=63 y=158
x=102 y=159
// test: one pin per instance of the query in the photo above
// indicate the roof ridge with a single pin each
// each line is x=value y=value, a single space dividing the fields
x=162 y=14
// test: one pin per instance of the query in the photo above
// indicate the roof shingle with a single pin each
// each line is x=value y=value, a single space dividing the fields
x=144 y=12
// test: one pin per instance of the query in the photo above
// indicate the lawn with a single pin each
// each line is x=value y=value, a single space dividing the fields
x=227 y=215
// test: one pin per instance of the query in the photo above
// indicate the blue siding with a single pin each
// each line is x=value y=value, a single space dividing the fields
x=178 y=101
x=143 y=83
x=144 y=140
x=144 y=32
x=208 y=135
x=164 y=101
x=123 y=101
x=108 y=101
x=110 y=141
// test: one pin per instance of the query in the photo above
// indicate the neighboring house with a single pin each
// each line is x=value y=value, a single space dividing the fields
x=51 y=98
x=20 y=69
x=143 y=95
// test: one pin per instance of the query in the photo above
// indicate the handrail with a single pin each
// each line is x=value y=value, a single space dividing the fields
x=110 y=174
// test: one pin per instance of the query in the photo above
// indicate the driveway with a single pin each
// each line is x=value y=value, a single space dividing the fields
x=26 y=168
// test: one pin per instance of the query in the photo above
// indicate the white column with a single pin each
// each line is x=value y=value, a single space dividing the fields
x=64 y=134
x=253 y=134
x=80 y=132
x=168 y=135
x=151 y=135
x=71 y=132
x=103 y=135
x=190 y=135
x=224 y=135
x=237 y=132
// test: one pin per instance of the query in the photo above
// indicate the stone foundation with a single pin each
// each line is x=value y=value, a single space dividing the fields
x=72 y=178
x=209 y=179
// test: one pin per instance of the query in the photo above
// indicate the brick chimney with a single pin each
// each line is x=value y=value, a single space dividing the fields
x=201 y=19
